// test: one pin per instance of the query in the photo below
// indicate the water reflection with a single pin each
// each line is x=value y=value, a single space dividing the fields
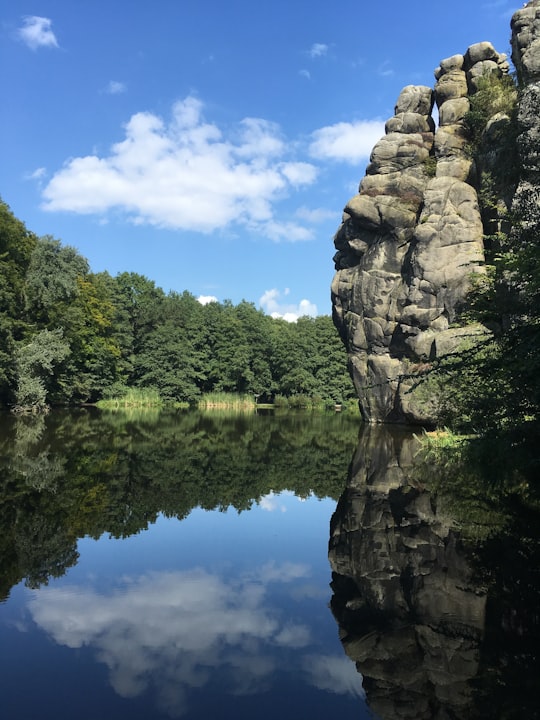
x=167 y=561
x=134 y=591
x=171 y=631
x=418 y=598
x=68 y=475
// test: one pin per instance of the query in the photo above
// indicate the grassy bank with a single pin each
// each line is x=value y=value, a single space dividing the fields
x=137 y=398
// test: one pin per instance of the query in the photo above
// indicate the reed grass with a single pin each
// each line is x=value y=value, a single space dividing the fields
x=133 y=398
x=226 y=401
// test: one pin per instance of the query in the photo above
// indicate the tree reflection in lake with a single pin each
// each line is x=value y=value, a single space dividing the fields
x=67 y=475
x=114 y=608
x=162 y=566
x=437 y=603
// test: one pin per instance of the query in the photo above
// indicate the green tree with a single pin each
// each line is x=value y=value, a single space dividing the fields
x=52 y=281
x=16 y=247
x=36 y=363
x=94 y=362
x=168 y=362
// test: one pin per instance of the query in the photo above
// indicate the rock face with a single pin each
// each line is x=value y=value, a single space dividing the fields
x=412 y=237
x=410 y=612
x=526 y=59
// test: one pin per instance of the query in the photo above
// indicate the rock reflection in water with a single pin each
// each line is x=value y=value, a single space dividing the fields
x=410 y=616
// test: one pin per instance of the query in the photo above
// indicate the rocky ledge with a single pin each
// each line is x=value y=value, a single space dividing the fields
x=412 y=239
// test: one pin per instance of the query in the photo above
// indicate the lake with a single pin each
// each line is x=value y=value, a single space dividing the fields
x=165 y=565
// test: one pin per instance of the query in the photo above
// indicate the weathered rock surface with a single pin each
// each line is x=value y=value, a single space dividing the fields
x=410 y=613
x=526 y=42
x=412 y=237
x=526 y=58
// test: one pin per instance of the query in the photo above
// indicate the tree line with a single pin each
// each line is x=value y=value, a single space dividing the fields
x=71 y=336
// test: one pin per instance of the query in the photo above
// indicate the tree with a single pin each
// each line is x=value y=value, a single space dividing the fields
x=36 y=362
x=168 y=362
x=16 y=247
x=52 y=280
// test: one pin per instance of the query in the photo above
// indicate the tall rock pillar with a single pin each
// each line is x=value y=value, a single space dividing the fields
x=408 y=244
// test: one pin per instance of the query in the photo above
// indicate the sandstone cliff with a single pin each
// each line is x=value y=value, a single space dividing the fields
x=412 y=239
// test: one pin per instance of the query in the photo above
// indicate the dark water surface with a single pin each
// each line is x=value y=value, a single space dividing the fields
x=209 y=566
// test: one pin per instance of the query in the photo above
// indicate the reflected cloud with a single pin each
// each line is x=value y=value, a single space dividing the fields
x=169 y=632
x=271 y=503
x=284 y=572
x=334 y=674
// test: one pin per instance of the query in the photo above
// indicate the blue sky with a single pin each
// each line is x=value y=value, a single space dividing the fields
x=211 y=146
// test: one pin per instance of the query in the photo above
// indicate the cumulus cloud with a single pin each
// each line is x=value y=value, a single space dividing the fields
x=206 y=299
x=318 y=50
x=346 y=142
x=168 y=632
x=37 y=32
x=186 y=174
x=272 y=303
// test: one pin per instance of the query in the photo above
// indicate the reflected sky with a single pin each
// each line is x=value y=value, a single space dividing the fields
x=217 y=611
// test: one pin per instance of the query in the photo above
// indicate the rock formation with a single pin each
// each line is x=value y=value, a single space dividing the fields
x=411 y=616
x=526 y=59
x=412 y=237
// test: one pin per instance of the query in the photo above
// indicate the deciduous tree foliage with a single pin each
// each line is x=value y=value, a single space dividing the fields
x=16 y=247
x=68 y=335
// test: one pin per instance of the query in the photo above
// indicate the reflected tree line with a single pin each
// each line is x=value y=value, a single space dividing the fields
x=72 y=474
x=437 y=585
x=435 y=574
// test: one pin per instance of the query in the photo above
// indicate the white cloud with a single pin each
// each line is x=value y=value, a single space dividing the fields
x=271 y=503
x=272 y=305
x=299 y=173
x=305 y=73
x=36 y=32
x=318 y=50
x=259 y=138
x=316 y=216
x=334 y=674
x=37 y=174
x=206 y=299
x=168 y=632
x=293 y=636
x=346 y=142
x=286 y=572
x=116 y=88
x=289 y=231
x=186 y=175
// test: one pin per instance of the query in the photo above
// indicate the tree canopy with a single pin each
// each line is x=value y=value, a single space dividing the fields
x=71 y=336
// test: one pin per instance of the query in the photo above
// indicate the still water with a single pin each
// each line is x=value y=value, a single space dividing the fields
x=207 y=566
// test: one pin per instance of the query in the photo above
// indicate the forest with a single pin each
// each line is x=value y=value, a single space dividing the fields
x=69 y=336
